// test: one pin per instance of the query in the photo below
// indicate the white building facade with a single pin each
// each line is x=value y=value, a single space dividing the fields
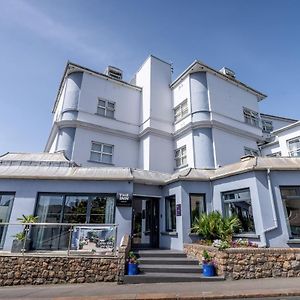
x=173 y=146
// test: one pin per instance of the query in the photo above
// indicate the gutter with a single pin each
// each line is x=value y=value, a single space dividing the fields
x=263 y=236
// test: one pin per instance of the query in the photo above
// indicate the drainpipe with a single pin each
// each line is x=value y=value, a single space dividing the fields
x=263 y=236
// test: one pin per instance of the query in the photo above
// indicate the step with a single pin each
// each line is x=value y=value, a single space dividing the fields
x=169 y=277
x=170 y=268
x=167 y=261
x=159 y=253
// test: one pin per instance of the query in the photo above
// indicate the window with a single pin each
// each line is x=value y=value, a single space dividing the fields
x=106 y=108
x=267 y=126
x=102 y=153
x=181 y=110
x=249 y=151
x=251 y=117
x=180 y=157
x=294 y=147
x=275 y=154
x=6 y=202
x=239 y=203
x=291 y=199
x=197 y=206
x=170 y=213
x=66 y=208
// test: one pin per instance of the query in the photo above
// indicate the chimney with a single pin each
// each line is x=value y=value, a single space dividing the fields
x=226 y=71
x=114 y=72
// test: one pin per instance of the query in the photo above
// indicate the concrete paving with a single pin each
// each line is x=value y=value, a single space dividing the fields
x=256 y=288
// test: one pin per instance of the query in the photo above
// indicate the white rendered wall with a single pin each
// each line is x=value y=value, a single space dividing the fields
x=125 y=149
x=229 y=147
x=271 y=148
x=286 y=135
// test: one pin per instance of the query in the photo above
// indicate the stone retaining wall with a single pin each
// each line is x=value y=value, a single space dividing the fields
x=248 y=263
x=16 y=269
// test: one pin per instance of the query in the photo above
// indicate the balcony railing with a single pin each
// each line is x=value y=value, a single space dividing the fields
x=61 y=238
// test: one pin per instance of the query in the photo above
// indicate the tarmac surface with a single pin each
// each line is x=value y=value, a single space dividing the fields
x=279 y=288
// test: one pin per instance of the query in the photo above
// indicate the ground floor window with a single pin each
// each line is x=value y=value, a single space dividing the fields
x=170 y=210
x=6 y=202
x=291 y=200
x=197 y=206
x=238 y=203
x=67 y=208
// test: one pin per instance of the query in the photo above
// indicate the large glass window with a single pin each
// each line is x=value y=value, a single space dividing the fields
x=294 y=147
x=6 y=202
x=64 y=208
x=239 y=203
x=197 y=206
x=170 y=210
x=291 y=199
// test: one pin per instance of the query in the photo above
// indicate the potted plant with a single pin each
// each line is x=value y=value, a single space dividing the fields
x=208 y=264
x=132 y=264
x=21 y=241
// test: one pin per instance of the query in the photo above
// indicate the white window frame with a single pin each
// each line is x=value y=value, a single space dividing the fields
x=251 y=117
x=267 y=126
x=180 y=112
x=181 y=157
x=106 y=108
x=101 y=152
x=297 y=149
x=251 y=151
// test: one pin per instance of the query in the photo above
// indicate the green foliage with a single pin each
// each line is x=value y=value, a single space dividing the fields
x=28 y=219
x=132 y=258
x=20 y=236
x=214 y=226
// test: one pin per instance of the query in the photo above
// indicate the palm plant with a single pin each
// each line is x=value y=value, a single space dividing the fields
x=214 y=226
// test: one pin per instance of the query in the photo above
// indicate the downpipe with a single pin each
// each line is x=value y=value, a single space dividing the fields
x=263 y=236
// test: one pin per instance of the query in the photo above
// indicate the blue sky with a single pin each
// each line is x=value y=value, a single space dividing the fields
x=260 y=40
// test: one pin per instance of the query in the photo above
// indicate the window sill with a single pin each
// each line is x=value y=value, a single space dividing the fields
x=99 y=162
x=170 y=233
x=112 y=118
x=293 y=241
x=181 y=167
x=246 y=235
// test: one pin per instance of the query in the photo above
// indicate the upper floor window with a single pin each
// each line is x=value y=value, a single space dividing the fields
x=106 y=108
x=238 y=203
x=267 y=126
x=249 y=151
x=294 y=146
x=102 y=153
x=181 y=110
x=251 y=117
x=180 y=157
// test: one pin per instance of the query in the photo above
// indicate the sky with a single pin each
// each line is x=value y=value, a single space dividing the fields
x=258 y=39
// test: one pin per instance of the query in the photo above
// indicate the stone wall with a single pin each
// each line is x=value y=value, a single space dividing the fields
x=248 y=263
x=16 y=269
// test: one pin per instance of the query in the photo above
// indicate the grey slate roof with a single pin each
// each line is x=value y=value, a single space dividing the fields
x=54 y=166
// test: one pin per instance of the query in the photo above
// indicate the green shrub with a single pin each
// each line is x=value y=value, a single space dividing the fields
x=214 y=226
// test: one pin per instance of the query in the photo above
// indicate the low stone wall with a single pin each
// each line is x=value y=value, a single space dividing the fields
x=248 y=263
x=16 y=269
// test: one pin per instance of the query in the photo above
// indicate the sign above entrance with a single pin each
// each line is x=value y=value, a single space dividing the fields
x=124 y=199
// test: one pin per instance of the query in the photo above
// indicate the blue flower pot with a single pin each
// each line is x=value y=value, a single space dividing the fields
x=132 y=269
x=208 y=270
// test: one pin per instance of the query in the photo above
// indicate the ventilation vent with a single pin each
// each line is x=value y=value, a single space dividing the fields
x=227 y=72
x=114 y=72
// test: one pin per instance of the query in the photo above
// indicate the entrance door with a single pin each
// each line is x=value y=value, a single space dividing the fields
x=145 y=222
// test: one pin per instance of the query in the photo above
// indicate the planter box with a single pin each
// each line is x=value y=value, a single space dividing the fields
x=17 y=246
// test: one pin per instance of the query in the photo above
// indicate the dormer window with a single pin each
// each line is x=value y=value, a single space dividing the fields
x=181 y=110
x=106 y=108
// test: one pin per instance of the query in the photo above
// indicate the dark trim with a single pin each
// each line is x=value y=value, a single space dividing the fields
x=166 y=229
x=190 y=203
